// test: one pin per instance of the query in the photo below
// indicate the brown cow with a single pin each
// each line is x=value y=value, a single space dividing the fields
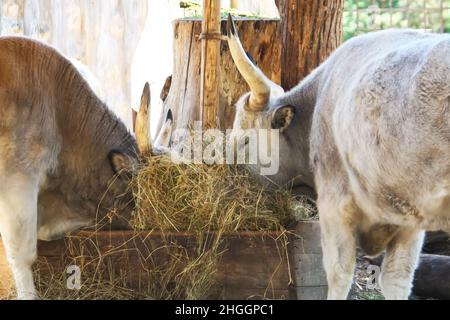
x=65 y=158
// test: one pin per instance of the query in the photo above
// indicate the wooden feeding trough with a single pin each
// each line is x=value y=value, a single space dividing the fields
x=253 y=265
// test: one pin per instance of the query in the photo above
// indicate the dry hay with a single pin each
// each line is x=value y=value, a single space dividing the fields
x=207 y=202
x=202 y=198
x=166 y=272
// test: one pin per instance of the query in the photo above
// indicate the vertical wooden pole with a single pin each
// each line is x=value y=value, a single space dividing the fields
x=310 y=32
x=134 y=117
x=210 y=66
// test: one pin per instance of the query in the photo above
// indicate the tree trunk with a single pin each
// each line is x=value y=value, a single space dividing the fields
x=310 y=32
x=259 y=38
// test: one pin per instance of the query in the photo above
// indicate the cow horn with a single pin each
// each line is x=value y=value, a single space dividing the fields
x=259 y=84
x=142 y=125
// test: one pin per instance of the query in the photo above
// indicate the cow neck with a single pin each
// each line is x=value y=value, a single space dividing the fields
x=89 y=129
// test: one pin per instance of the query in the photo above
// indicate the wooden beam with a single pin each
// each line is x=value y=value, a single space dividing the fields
x=134 y=117
x=210 y=66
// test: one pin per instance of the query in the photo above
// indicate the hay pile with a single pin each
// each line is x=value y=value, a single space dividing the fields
x=202 y=198
x=207 y=202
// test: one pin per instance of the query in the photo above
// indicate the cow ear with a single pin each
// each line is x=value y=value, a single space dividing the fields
x=121 y=163
x=282 y=117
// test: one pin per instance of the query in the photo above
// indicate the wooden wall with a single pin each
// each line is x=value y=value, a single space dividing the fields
x=102 y=34
x=123 y=42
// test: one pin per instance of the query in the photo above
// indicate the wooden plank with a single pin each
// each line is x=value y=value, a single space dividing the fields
x=308 y=239
x=251 y=261
x=306 y=257
x=311 y=293
x=309 y=271
x=253 y=264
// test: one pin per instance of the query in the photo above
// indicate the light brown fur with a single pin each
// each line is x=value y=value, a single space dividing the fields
x=62 y=153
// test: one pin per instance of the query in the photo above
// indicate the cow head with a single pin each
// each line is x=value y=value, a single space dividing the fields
x=258 y=108
x=264 y=107
x=125 y=164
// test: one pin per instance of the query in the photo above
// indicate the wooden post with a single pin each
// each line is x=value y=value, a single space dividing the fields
x=305 y=253
x=210 y=65
x=260 y=39
x=310 y=32
x=134 y=117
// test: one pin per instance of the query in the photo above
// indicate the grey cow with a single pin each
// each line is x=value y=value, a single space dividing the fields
x=369 y=131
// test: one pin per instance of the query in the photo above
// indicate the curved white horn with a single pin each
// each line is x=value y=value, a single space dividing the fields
x=259 y=84
x=142 y=125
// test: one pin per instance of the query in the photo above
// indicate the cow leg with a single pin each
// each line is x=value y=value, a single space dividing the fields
x=338 y=244
x=400 y=263
x=18 y=227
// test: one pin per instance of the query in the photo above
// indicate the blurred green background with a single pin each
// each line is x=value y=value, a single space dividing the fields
x=362 y=16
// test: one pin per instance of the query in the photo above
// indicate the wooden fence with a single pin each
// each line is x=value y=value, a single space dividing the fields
x=102 y=34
